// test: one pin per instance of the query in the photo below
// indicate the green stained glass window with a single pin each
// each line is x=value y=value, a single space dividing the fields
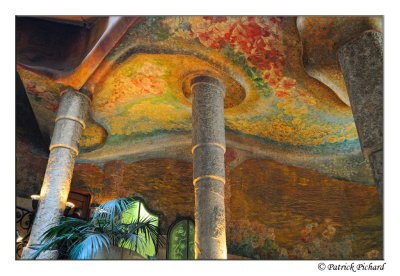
x=139 y=211
x=181 y=240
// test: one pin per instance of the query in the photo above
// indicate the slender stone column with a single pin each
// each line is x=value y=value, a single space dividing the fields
x=362 y=65
x=208 y=167
x=70 y=121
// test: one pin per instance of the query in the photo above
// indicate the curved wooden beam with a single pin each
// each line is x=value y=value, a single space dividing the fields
x=321 y=37
x=116 y=27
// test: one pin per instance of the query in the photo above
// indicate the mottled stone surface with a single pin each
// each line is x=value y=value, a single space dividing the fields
x=376 y=159
x=66 y=133
x=207 y=112
x=210 y=233
x=72 y=104
x=361 y=61
x=57 y=179
x=208 y=160
x=53 y=194
x=70 y=120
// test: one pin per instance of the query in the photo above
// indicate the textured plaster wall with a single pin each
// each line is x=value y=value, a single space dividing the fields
x=273 y=210
x=279 y=211
x=30 y=168
x=165 y=185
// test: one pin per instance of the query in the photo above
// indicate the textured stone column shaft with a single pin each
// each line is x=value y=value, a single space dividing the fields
x=361 y=61
x=208 y=167
x=70 y=121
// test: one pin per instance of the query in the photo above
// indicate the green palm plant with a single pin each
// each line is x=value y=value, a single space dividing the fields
x=79 y=239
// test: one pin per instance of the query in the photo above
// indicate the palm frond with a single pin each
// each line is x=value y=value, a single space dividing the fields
x=83 y=240
x=66 y=226
x=148 y=228
x=113 y=209
x=48 y=245
x=60 y=235
x=130 y=241
x=90 y=246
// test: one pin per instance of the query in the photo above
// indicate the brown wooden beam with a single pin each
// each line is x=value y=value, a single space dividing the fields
x=116 y=27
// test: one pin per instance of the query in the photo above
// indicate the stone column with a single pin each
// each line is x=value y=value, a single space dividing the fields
x=228 y=194
x=361 y=61
x=70 y=121
x=208 y=167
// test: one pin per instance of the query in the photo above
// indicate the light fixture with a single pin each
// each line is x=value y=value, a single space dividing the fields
x=68 y=208
x=19 y=237
x=35 y=201
x=35 y=204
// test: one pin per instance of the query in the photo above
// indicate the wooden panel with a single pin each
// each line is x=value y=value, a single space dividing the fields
x=82 y=200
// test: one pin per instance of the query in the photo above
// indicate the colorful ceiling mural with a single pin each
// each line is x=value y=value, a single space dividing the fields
x=281 y=108
x=139 y=92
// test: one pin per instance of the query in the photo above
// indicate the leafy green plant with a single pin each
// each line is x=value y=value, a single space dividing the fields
x=79 y=239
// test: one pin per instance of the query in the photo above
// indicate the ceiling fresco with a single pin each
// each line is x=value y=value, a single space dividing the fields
x=274 y=107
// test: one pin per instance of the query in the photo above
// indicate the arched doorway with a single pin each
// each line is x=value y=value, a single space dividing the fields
x=180 y=244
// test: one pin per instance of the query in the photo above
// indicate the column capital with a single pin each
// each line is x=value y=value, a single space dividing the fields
x=208 y=80
x=73 y=106
x=70 y=89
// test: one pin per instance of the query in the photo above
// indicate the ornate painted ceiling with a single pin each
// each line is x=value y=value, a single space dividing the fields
x=286 y=99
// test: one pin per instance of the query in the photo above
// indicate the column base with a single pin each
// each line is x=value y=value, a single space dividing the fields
x=27 y=254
